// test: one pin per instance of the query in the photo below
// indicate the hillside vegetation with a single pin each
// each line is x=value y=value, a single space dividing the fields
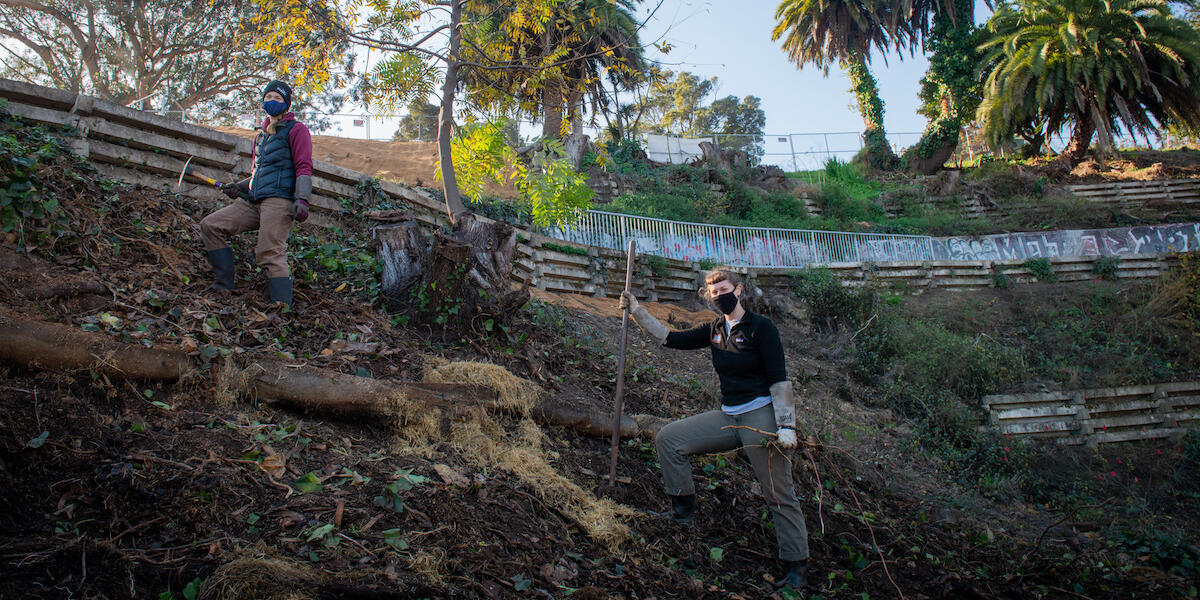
x=114 y=487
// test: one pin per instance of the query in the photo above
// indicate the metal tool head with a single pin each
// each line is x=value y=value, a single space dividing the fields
x=187 y=170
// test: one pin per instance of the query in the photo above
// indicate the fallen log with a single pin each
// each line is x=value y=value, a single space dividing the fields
x=41 y=345
x=52 y=346
x=594 y=423
x=336 y=394
x=65 y=290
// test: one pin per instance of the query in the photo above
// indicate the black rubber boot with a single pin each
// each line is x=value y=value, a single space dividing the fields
x=682 y=509
x=280 y=289
x=222 y=265
x=797 y=575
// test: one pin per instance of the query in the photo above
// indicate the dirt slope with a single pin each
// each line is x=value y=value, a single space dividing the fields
x=114 y=489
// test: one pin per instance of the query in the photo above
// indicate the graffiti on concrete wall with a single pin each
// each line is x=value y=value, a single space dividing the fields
x=1144 y=239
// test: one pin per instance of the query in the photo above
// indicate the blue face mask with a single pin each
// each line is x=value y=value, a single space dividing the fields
x=274 y=107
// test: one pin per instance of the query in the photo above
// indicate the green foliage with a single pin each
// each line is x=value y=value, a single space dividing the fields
x=917 y=362
x=421 y=122
x=657 y=265
x=1107 y=267
x=565 y=249
x=1040 y=268
x=999 y=279
x=555 y=192
x=333 y=258
x=551 y=190
x=481 y=157
x=626 y=155
x=950 y=88
x=28 y=206
x=439 y=305
x=1099 y=64
x=1160 y=551
x=739 y=123
x=831 y=305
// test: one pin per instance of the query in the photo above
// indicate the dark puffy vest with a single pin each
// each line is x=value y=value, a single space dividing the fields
x=275 y=175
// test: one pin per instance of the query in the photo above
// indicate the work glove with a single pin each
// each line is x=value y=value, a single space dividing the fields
x=787 y=437
x=229 y=189
x=300 y=210
x=647 y=322
x=785 y=413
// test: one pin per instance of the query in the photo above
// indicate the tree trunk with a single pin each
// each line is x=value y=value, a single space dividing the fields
x=454 y=203
x=1081 y=139
x=877 y=152
x=552 y=109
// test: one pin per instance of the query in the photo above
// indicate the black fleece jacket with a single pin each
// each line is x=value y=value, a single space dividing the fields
x=748 y=359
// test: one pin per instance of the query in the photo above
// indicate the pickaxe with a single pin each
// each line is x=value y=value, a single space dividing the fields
x=189 y=170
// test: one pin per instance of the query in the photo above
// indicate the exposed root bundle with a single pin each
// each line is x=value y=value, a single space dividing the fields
x=515 y=393
x=259 y=579
x=521 y=454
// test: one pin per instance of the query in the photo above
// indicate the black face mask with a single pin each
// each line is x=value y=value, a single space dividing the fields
x=726 y=302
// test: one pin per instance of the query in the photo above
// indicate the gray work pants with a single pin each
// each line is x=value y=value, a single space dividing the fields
x=703 y=434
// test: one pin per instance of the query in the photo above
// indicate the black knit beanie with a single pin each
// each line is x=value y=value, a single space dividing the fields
x=282 y=88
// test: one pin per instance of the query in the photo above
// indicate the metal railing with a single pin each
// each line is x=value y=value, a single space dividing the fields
x=741 y=246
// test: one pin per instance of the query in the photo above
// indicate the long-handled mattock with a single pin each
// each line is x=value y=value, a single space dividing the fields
x=189 y=170
x=619 y=401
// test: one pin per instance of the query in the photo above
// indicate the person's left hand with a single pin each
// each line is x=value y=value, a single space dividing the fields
x=787 y=437
x=300 y=211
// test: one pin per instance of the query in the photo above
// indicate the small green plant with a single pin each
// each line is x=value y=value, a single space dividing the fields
x=706 y=264
x=999 y=278
x=657 y=265
x=1107 y=267
x=1041 y=269
x=830 y=304
x=565 y=249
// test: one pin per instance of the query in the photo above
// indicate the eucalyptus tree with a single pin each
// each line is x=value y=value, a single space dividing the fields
x=1097 y=65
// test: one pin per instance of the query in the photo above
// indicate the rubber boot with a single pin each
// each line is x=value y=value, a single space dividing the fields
x=280 y=289
x=682 y=509
x=797 y=575
x=222 y=265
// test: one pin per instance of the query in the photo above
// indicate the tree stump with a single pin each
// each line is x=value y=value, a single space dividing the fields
x=453 y=280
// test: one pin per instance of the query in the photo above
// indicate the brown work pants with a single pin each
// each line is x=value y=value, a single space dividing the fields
x=706 y=433
x=271 y=217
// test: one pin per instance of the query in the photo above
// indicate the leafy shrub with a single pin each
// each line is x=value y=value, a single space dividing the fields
x=918 y=361
x=1106 y=267
x=1041 y=269
x=1161 y=551
x=999 y=278
x=830 y=304
x=28 y=206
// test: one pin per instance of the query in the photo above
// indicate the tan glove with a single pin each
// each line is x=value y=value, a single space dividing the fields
x=785 y=413
x=648 y=323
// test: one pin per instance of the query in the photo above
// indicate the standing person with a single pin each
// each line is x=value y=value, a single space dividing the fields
x=755 y=393
x=276 y=193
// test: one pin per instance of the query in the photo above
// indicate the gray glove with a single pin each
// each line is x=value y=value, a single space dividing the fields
x=648 y=323
x=785 y=413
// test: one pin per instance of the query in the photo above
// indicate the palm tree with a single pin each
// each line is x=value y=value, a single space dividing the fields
x=821 y=32
x=554 y=64
x=1098 y=64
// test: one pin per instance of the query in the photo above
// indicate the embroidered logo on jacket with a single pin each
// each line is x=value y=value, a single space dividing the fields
x=716 y=339
x=739 y=340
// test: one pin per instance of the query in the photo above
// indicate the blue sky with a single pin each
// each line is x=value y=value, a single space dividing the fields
x=731 y=40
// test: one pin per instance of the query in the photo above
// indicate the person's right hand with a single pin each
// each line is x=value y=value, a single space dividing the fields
x=628 y=301
x=230 y=189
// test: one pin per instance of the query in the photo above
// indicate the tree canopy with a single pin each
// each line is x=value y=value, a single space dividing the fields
x=1097 y=64
x=156 y=55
